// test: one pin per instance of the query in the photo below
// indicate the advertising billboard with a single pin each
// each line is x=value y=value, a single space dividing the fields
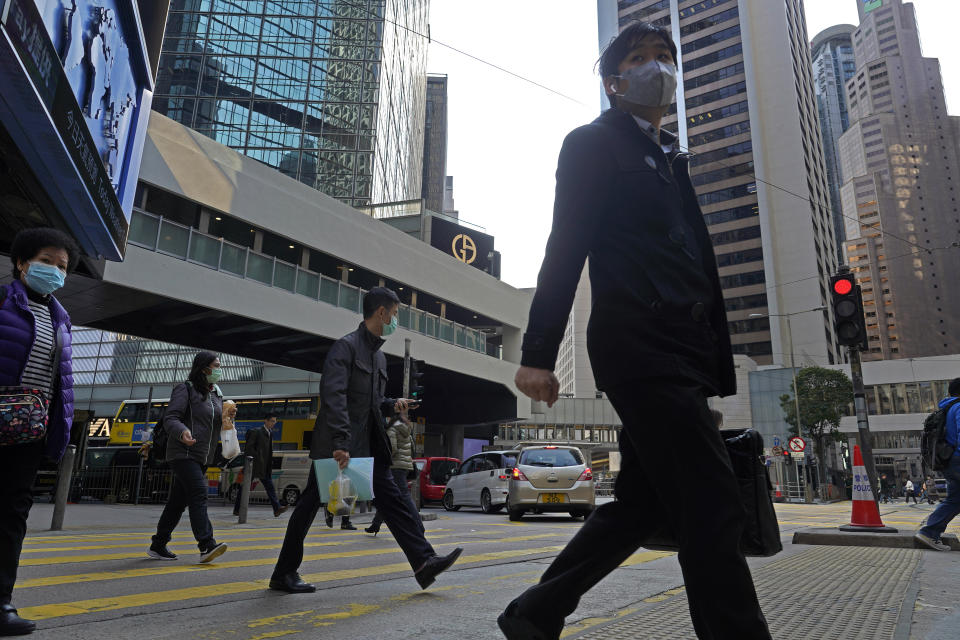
x=870 y=5
x=463 y=243
x=77 y=109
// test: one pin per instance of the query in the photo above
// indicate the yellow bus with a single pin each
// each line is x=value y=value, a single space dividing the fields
x=295 y=417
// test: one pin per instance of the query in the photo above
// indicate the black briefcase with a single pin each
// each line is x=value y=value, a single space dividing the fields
x=761 y=533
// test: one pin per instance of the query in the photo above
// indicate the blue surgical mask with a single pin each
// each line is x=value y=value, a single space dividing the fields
x=44 y=278
x=390 y=328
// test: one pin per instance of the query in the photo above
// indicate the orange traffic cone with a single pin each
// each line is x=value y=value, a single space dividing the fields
x=866 y=515
x=779 y=492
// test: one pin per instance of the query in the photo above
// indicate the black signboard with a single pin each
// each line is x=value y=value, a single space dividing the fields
x=463 y=243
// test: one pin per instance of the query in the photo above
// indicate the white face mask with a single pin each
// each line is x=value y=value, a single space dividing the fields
x=652 y=84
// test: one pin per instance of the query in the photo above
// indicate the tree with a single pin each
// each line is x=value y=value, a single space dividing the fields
x=824 y=396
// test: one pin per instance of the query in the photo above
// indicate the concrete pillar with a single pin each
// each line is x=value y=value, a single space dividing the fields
x=305 y=258
x=204 y=226
x=413 y=299
x=345 y=276
x=258 y=241
x=382 y=283
x=443 y=309
x=453 y=442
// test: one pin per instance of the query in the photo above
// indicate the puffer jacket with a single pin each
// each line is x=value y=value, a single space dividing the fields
x=205 y=422
x=401 y=439
x=16 y=340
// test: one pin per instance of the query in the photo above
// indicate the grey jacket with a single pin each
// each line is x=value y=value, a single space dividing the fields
x=352 y=402
x=205 y=415
x=401 y=439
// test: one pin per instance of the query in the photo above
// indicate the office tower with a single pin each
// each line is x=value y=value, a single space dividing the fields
x=833 y=65
x=331 y=92
x=746 y=108
x=435 y=143
x=899 y=160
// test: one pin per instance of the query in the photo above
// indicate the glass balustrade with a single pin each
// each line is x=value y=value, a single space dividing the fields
x=158 y=234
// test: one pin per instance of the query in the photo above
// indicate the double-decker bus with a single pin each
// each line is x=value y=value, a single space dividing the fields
x=295 y=417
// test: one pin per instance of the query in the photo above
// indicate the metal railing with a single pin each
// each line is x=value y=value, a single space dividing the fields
x=155 y=233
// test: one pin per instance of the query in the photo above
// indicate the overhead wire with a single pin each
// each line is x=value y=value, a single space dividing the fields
x=807 y=199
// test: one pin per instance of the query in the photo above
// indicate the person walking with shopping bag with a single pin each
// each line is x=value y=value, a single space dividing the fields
x=192 y=422
x=350 y=424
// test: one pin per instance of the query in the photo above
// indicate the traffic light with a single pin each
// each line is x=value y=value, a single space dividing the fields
x=417 y=369
x=848 y=311
x=787 y=458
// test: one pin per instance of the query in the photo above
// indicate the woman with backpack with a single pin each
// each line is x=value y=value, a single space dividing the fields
x=192 y=424
x=36 y=390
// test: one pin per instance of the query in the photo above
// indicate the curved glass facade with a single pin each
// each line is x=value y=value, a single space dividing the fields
x=330 y=92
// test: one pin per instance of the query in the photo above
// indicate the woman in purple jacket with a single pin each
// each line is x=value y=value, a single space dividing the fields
x=34 y=330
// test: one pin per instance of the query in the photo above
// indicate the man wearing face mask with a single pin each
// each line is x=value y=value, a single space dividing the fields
x=351 y=424
x=658 y=345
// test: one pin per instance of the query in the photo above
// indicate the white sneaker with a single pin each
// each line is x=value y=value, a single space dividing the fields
x=927 y=541
x=213 y=552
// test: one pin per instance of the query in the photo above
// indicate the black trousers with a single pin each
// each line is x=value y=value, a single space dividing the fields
x=668 y=444
x=401 y=516
x=18 y=469
x=400 y=479
x=267 y=483
x=188 y=491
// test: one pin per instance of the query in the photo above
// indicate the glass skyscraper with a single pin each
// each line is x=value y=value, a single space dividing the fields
x=330 y=92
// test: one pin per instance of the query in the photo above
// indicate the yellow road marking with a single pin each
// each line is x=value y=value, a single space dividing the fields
x=102 y=557
x=273 y=634
x=119 y=602
x=587 y=623
x=660 y=597
x=75 y=578
x=645 y=556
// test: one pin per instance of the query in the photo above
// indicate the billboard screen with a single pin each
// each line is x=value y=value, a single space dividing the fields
x=87 y=82
x=870 y=5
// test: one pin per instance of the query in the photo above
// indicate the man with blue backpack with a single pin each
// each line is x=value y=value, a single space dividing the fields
x=937 y=522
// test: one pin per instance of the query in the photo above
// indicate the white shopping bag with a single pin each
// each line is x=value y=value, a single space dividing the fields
x=228 y=431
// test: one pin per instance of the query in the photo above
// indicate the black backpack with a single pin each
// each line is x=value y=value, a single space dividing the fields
x=160 y=435
x=935 y=452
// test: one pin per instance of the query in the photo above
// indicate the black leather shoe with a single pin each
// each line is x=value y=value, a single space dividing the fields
x=372 y=530
x=13 y=625
x=515 y=627
x=346 y=524
x=291 y=583
x=434 y=567
x=328 y=518
x=277 y=512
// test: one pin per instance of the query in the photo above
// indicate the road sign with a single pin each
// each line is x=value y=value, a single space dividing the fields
x=776 y=441
x=797 y=444
x=778 y=450
x=797 y=455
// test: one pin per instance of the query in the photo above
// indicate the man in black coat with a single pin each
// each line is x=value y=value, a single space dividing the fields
x=259 y=446
x=659 y=346
x=351 y=423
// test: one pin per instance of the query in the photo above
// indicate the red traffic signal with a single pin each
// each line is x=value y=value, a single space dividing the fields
x=843 y=286
x=848 y=317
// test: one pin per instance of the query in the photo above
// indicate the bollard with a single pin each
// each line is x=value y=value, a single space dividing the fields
x=245 y=488
x=64 y=478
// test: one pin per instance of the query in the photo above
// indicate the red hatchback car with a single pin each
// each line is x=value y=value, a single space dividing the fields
x=433 y=477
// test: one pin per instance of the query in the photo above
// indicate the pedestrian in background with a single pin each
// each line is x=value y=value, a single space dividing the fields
x=350 y=424
x=930 y=490
x=947 y=510
x=400 y=433
x=909 y=492
x=659 y=344
x=259 y=446
x=35 y=354
x=192 y=421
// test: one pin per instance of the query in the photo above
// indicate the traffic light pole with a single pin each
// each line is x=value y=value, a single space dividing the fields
x=863 y=425
x=406 y=368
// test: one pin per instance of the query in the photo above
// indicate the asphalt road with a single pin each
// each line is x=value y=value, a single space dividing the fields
x=95 y=582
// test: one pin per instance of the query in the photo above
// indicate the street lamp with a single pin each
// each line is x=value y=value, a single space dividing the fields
x=793 y=370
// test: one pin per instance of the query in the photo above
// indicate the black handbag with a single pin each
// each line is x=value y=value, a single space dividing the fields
x=761 y=532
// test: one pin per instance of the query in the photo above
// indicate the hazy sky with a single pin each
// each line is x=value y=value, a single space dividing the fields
x=504 y=133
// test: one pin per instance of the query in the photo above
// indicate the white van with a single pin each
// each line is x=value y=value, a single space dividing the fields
x=482 y=480
x=290 y=472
